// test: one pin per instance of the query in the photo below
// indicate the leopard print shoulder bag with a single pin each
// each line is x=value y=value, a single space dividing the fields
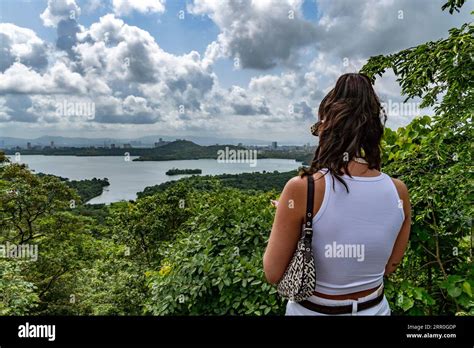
x=299 y=280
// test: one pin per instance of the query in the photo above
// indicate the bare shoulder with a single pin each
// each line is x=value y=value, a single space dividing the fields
x=296 y=191
x=298 y=182
x=401 y=187
x=297 y=186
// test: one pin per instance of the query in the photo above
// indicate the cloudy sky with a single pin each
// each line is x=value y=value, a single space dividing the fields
x=229 y=68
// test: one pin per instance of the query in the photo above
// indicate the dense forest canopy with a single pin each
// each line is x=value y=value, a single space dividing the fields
x=197 y=249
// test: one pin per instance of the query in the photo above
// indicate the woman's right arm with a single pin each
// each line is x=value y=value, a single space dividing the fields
x=404 y=234
x=286 y=229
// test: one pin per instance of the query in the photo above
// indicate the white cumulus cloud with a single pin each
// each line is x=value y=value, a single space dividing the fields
x=126 y=7
x=260 y=34
x=59 y=10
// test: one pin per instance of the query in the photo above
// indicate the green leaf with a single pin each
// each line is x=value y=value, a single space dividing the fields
x=467 y=288
x=454 y=291
x=407 y=303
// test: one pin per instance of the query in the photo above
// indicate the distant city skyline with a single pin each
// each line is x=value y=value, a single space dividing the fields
x=197 y=68
x=149 y=141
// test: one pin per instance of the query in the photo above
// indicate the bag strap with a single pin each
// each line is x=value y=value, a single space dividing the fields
x=308 y=226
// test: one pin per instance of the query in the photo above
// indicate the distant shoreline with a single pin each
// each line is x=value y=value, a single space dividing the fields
x=176 y=150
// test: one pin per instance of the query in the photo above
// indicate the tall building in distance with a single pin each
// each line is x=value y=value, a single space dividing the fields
x=28 y=145
x=274 y=145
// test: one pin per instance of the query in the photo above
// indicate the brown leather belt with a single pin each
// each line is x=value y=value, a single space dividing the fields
x=341 y=309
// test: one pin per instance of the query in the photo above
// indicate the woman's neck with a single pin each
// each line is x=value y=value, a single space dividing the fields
x=359 y=169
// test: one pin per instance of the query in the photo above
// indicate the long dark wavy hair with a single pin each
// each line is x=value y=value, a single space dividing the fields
x=351 y=124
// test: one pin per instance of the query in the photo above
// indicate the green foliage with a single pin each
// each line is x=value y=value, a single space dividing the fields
x=36 y=211
x=453 y=5
x=25 y=198
x=434 y=162
x=434 y=69
x=87 y=189
x=143 y=225
x=17 y=295
x=264 y=181
x=214 y=266
x=432 y=155
x=114 y=284
x=183 y=149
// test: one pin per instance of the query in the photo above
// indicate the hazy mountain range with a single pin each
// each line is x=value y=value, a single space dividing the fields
x=146 y=141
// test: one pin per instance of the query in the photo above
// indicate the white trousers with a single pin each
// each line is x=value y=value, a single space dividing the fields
x=382 y=308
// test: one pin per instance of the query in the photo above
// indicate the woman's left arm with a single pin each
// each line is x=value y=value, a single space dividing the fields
x=286 y=229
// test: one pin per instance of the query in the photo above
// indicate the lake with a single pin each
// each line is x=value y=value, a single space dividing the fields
x=127 y=177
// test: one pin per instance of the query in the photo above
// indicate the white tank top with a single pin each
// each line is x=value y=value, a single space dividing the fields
x=354 y=233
